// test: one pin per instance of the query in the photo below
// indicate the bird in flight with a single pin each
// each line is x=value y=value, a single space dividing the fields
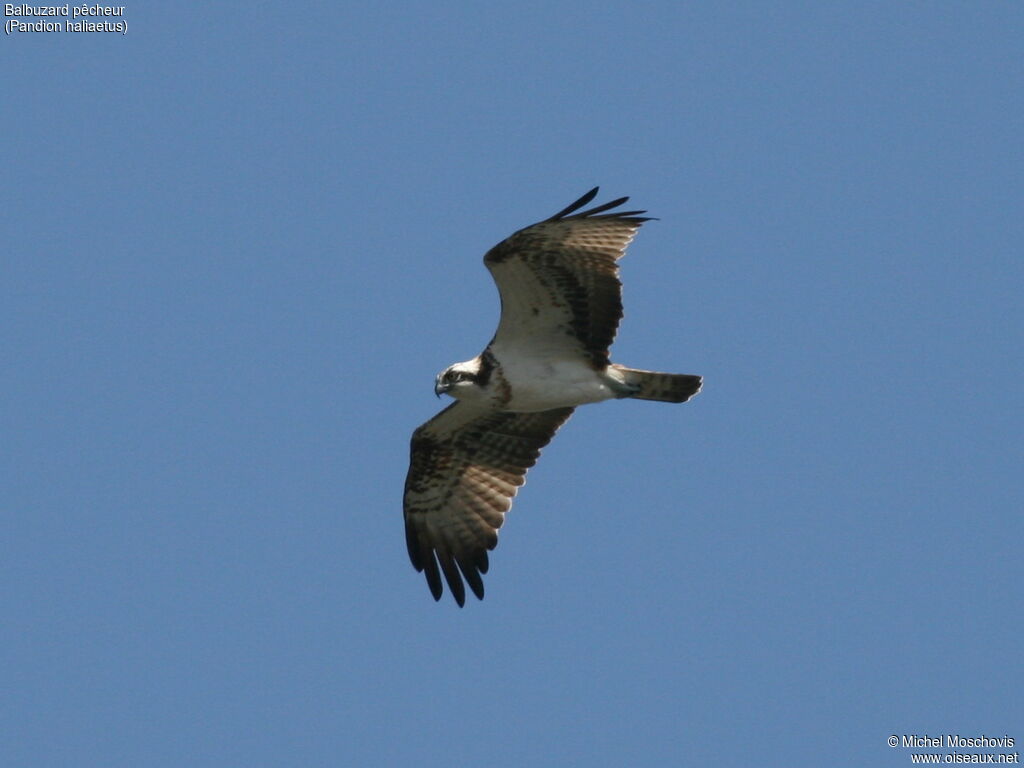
x=561 y=302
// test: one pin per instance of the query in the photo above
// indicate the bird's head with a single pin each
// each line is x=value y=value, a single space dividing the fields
x=459 y=380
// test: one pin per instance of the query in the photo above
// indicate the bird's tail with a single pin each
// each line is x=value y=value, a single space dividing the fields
x=664 y=387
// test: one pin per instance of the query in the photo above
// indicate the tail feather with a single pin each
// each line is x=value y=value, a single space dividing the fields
x=664 y=387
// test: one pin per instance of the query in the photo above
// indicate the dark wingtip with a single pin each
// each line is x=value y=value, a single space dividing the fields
x=605 y=206
x=451 y=575
x=475 y=582
x=575 y=206
x=429 y=567
x=434 y=582
x=599 y=210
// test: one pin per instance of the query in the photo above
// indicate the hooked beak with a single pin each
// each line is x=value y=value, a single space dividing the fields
x=439 y=387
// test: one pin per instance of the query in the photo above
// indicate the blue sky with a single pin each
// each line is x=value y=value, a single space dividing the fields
x=241 y=240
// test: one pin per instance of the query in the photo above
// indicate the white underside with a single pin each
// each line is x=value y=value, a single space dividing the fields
x=540 y=384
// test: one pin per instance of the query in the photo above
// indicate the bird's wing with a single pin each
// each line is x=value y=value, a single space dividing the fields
x=559 y=281
x=465 y=466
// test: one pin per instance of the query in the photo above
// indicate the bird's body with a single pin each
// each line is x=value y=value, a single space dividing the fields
x=534 y=381
x=561 y=305
x=545 y=383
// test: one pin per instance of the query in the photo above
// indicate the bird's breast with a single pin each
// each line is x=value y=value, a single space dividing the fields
x=540 y=384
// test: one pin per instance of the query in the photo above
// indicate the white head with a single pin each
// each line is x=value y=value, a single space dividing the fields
x=462 y=380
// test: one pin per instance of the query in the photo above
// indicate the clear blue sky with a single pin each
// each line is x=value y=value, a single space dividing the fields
x=240 y=241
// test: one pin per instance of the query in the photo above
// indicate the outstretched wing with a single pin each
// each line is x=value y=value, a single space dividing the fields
x=465 y=467
x=559 y=282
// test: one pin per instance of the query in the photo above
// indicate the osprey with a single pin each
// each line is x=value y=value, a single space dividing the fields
x=561 y=302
